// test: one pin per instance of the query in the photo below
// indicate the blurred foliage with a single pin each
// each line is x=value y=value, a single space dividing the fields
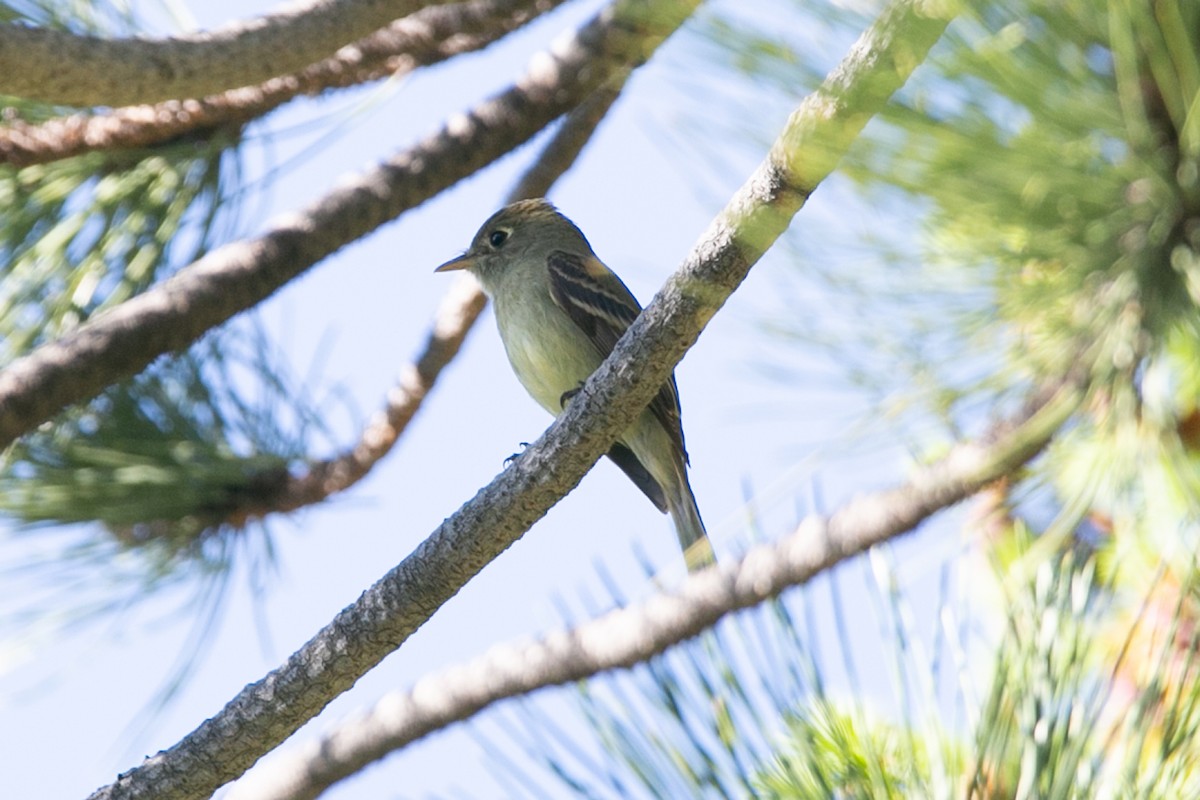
x=1032 y=200
x=1095 y=690
x=177 y=464
x=83 y=234
x=155 y=495
x=1062 y=170
x=1029 y=202
x=1093 y=693
x=830 y=753
x=170 y=459
x=169 y=456
x=1074 y=194
x=81 y=16
x=698 y=721
x=86 y=233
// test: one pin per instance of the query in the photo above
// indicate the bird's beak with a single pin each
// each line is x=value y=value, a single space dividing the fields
x=465 y=261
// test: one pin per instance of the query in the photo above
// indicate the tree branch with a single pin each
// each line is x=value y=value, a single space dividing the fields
x=389 y=612
x=78 y=70
x=426 y=37
x=172 y=315
x=455 y=316
x=633 y=635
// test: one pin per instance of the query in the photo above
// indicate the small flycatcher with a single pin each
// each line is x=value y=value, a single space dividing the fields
x=560 y=312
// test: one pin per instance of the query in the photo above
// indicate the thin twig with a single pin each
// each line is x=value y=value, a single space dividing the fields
x=427 y=37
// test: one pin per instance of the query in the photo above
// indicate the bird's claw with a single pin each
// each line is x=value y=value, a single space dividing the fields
x=515 y=456
x=568 y=394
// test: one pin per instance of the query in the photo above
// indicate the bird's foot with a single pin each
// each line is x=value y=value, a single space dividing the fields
x=568 y=394
x=515 y=456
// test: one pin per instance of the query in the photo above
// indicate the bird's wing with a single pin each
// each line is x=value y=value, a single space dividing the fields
x=603 y=307
x=624 y=458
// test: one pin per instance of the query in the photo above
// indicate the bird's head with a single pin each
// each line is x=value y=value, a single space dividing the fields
x=524 y=232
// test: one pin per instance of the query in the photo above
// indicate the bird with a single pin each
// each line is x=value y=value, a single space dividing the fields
x=560 y=312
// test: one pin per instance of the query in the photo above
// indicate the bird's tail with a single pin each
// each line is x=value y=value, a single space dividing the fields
x=693 y=540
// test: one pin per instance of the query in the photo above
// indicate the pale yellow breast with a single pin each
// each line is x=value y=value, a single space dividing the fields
x=548 y=352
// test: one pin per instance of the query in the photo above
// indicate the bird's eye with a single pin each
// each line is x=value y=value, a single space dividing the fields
x=498 y=237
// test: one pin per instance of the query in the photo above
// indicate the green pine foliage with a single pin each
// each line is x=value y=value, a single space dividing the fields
x=84 y=234
x=174 y=467
x=176 y=454
x=163 y=462
x=1069 y=688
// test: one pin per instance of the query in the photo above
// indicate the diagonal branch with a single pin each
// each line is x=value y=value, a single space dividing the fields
x=633 y=635
x=386 y=614
x=174 y=314
x=426 y=37
x=70 y=69
x=455 y=316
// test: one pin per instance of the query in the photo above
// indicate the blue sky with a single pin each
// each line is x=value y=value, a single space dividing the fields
x=643 y=192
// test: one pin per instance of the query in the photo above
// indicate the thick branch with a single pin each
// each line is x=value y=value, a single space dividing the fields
x=633 y=635
x=75 y=70
x=426 y=37
x=455 y=316
x=399 y=603
x=171 y=316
